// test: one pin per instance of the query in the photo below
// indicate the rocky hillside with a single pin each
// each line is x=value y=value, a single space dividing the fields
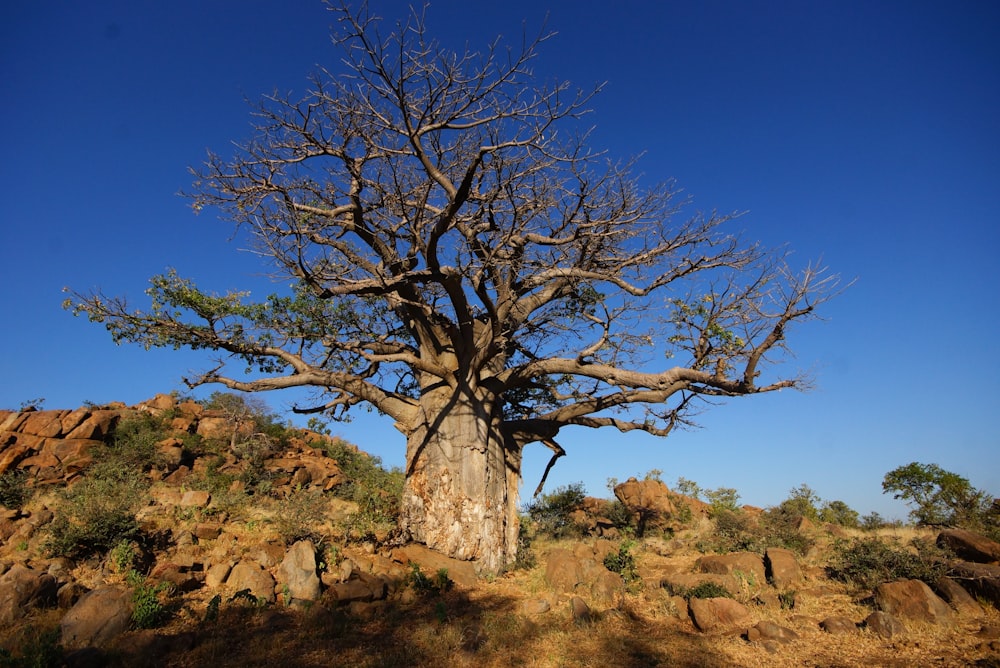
x=179 y=533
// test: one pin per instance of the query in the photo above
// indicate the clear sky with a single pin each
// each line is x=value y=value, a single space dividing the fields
x=865 y=133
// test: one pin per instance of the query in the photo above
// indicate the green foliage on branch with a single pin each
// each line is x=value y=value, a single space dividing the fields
x=940 y=497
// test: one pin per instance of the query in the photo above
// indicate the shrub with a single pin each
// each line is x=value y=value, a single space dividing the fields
x=424 y=584
x=707 y=590
x=299 y=517
x=14 y=490
x=865 y=563
x=736 y=531
x=147 y=610
x=623 y=562
x=551 y=512
x=377 y=491
x=722 y=500
x=98 y=513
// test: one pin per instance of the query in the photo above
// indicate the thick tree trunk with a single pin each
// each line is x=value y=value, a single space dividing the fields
x=461 y=490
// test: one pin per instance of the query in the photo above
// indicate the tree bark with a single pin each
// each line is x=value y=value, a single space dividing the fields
x=462 y=475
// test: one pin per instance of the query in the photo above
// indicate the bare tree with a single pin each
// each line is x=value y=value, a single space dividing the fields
x=466 y=265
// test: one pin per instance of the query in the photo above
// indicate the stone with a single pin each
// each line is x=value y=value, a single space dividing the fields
x=535 y=606
x=957 y=597
x=767 y=630
x=195 y=498
x=248 y=575
x=913 y=599
x=970 y=546
x=781 y=567
x=23 y=588
x=100 y=616
x=297 y=572
x=159 y=404
x=579 y=610
x=215 y=428
x=717 y=614
x=838 y=624
x=47 y=424
x=68 y=595
x=217 y=574
x=649 y=500
x=980 y=580
x=97 y=426
x=746 y=564
x=462 y=573
x=350 y=591
x=884 y=624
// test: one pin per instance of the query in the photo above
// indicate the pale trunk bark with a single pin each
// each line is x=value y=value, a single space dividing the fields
x=461 y=490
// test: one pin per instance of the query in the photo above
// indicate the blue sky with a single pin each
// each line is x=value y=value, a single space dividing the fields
x=863 y=133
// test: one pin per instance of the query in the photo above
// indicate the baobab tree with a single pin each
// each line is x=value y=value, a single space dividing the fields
x=464 y=263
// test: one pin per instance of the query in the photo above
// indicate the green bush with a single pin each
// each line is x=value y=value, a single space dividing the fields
x=147 y=610
x=623 y=562
x=425 y=584
x=14 y=490
x=377 y=492
x=550 y=513
x=865 y=563
x=97 y=514
x=737 y=531
x=706 y=590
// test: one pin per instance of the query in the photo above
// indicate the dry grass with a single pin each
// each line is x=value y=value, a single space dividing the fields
x=486 y=626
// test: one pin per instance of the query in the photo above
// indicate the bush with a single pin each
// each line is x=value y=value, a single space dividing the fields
x=736 y=531
x=147 y=610
x=865 y=563
x=14 y=490
x=551 y=512
x=377 y=491
x=98 y=513
x=706 y=590
x=623 y=562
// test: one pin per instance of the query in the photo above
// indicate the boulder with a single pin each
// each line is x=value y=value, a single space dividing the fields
x=297 y=572
x=248 y=575
x=766 y=630
x=747 y=564
x=981 y=580
x=838 y=624
x=47 y=424
x=717 y=614
x=649 y=500
x=95 y=427
x=98 y=617
x=884 y=624
x=912 y=599
x=579 y=610
x=782 y=567
x=970 y=546
x=957 y=597
x=460 y=572
x=23 y=588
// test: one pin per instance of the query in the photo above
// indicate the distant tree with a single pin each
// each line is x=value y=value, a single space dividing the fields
x=939 y=497
x=464 y=263
x=838 y=512
x=802 y=501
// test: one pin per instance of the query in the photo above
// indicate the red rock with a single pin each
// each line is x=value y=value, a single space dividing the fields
x=47 y=424
x=912 y=599
x=717 y=614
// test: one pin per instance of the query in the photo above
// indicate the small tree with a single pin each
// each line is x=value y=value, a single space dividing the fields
x=464 y=263
x=939 y=497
